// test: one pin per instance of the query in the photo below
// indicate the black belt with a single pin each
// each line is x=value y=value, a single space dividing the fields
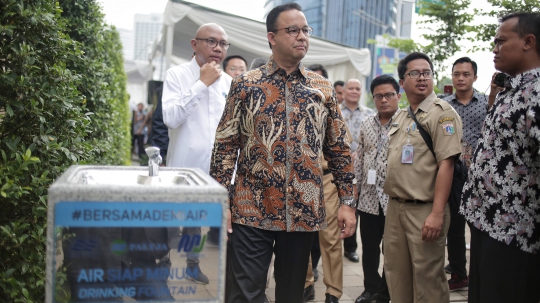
x=410 y=201
x=326 y=172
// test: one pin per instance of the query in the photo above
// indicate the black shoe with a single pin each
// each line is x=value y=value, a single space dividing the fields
x=331 y=299
x=365 y=297
x=448 y=269
x=352 y=256
x=383 y=297
x=309 y=293
x=315 y=274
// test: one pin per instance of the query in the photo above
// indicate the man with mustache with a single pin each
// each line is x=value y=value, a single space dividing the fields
x=501 y=199
x=418 y=182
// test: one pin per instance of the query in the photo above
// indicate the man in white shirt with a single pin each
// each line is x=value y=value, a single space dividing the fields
x=194 y=96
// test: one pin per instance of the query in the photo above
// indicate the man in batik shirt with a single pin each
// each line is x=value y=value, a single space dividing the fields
x=501 y=199
x=353 y=113
x=370 y=168
x=281 y=117
x=471 y=106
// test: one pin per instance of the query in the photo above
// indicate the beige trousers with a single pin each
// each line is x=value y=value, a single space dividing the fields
x=414 y=269
x=331 y=244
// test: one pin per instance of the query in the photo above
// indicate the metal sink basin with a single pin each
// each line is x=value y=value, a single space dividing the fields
x=137 y=176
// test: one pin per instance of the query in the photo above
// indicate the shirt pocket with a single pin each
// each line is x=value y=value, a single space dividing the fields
x=393 y=131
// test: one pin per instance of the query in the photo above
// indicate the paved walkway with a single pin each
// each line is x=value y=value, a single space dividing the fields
x=353 y=277
x=353 y=280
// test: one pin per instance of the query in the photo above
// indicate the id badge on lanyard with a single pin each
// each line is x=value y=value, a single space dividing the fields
x=407 y=151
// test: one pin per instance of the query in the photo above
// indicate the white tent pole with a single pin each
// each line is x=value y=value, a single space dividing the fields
x=169 y=45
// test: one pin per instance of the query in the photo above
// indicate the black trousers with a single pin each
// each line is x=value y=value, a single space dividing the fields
x=455 y=243
x=140 y=144
x=350 y=244
x=501 y=273
x=315 y=251
x=371 y=235
x=249 y=253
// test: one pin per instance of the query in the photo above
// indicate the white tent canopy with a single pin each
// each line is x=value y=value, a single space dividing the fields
x=138 y=74
x=248 y=39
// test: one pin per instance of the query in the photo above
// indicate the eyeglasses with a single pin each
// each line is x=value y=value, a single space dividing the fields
x=416 y=74
x=294 y=31
x=213 y=43
x=388 y=96
x=233 y=69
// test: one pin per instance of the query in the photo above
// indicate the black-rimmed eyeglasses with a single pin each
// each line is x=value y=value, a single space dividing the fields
x=213 y=43
x=379 y=97
x=294 y=31
x=416 y=74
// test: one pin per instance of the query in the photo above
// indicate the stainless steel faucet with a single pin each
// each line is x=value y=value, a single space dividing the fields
x=154 y=160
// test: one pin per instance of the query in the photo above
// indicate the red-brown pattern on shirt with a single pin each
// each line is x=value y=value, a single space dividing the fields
x=281 y=124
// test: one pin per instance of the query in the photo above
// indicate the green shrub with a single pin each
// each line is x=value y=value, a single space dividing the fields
x=42 y=131
x=62 y=102
x=103 y=80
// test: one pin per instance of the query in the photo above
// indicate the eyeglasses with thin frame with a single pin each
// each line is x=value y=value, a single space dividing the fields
x=416 y=74
x=379 y=97
x=294 y=31
x=213 y=43
x=233 y=69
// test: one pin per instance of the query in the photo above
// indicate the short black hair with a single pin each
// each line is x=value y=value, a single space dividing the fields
x=316 y=67
x=339 y=83
x=271 y=19
x=402 y=65
x=466 y=60
x=528 y=23
x=226 y=61
x=384 y=79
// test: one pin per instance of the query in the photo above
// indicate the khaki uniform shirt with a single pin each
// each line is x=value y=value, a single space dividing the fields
x=417 y=180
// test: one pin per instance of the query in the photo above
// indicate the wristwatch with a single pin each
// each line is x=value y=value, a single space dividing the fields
x=349 y=202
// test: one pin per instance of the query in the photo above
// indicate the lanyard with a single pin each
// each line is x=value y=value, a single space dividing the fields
x=384 y=138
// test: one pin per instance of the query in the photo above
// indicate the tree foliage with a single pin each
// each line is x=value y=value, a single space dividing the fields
x=451 y=26
x=485 y=32
x=53 y=113
x=448 y=23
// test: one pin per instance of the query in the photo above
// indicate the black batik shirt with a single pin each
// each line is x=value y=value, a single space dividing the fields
x=472 y=115
x=502 y=195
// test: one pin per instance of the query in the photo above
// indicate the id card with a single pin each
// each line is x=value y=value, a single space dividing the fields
x=371 y=176
x=407 y=154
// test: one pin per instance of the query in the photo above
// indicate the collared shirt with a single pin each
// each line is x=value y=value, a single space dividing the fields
x=281 y=124
x=502 y=194
x=371 y=155
x=472 y=115
x=416 y=181
x=354 y=119
x=192 y=111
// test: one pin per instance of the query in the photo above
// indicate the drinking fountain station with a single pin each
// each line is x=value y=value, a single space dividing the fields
x=118 y=233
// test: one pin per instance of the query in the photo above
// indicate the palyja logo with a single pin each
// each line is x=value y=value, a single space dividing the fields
x=119 y=247
x=191 y=243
